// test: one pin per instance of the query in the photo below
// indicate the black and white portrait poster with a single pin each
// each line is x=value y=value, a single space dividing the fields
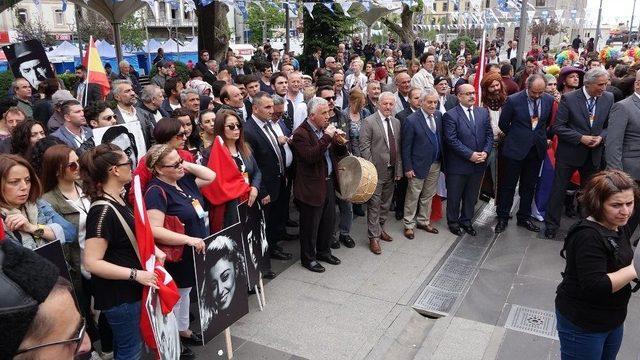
x=221 y=278
x=53 y=252
x=127 y=136
x=29 y=60
x=254 y=238
x=165 y=328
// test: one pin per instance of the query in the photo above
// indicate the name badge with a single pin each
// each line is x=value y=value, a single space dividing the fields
x=198 y=208
x=534 y=122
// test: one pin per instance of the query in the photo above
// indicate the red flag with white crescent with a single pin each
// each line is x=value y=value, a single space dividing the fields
x=477 y=80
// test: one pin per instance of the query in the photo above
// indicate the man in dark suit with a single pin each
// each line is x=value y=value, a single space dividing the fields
x=421 y=159
x=446 y=100
x=252 y=85
x=581 y=126
x=524 y=120
x=202 y=62
x=414 y=105
x=172 y=89
x=469 y=140
x=316 y=154
x=270 y=156
x=315 y=61
x=84 y=92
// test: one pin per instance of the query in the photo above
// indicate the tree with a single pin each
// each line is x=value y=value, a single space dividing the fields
x=92 y=23
x=216 y=41
x=132 y=31
x=37 y=30
x=405 y=29
x=325 y=30
x=470 y=45
x=542 y=28
x=272 y=15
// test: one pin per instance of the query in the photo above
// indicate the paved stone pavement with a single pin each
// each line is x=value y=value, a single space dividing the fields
x=361 y=309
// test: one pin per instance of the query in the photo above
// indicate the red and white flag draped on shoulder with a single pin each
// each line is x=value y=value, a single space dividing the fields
x=480 y=68
x=167 y=290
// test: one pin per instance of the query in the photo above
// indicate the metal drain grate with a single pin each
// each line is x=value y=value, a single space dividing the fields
x=449 y=282
x=458 y=267
x=469 y=252
x=532 y=321
x=434 y=302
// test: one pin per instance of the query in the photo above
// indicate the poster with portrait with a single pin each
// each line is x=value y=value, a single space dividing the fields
x=53 y=252
x=127 y=136
x=254 y=239
x=165 y=328
x=29 y=60
x=221 y=278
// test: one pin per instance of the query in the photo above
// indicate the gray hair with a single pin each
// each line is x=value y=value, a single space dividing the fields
x=185 y=93
x=592 y=75
x=115 y=86
x=123 y=63
x=314 y=103
x=257 y=99
x=329 y=57
x=149 y=92
x=387 y=94
x=14 y=83
x=425 y=93
x=212 y=61
x=277 y=99
x=532 y=78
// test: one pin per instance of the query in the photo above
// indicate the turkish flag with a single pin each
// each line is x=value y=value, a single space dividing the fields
x=167 y=289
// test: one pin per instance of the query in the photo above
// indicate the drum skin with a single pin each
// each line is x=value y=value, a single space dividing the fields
x=358 y=179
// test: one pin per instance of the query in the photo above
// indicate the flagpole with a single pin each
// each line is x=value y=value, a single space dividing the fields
x=86 y=86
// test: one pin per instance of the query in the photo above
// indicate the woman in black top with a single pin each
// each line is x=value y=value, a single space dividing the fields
x=117 y=276
x=591 y=300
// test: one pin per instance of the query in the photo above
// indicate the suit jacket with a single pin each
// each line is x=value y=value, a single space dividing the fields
x=420 y=146
x=166 y=107
x=572 y=121
x=450 y=102
x=266 y=158
x=202 y=67
x=65 y=135
x=249 y=106
x=374 y=146
x=515 y=122
x=311 y=171
x=93 y=93
x=313 y=64
x=401 y=104
x=622 y=145
x=147 y=123
x=403 y=115
x=462 y=140
x=510 y=86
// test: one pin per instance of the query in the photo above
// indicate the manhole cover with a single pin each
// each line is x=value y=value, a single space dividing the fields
x=532 y=321
x=434 y=302
x=468 y=252
x=448 y=282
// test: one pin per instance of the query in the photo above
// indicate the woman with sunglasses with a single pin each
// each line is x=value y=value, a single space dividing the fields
x=174 y=190
x=117 y=277
x=193 y=142
x=228 y=126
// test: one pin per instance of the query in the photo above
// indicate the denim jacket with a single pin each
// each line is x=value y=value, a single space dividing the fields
x=47 y=216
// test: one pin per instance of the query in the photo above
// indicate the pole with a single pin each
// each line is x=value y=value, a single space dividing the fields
x=595 y=45
x=631 y=23
x=118 y=40
x=264 y=31
x=146 y=32
x=286 y=27
x=193 y=23
x=446 y=33
x=523 y=33
x=78 y=32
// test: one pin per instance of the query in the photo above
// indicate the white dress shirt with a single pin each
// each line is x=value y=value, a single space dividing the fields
x=128 y=116
x=385 y=126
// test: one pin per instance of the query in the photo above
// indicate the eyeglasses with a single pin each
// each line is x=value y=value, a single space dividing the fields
x=82 y=327
x=73 y=166
x=330 y=98
x=128 y=163
x=175 y=166
x=233 y=127
x=109 y=117
x=181 y=134
x=469 y=93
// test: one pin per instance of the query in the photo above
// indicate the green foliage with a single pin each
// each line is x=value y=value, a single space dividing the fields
x=274 y=17
x=34 y=29
x=181 y=69
x=325 y=30
x=69 y=80
x=6 y=78
x=454 y=45
x=132 y=31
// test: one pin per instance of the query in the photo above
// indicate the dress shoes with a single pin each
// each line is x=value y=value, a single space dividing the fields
x=358 y=210
x=428 y=228
x=529 y=225
x=186 y=352
x=193 y=339
x=384 y=236
x=550 y=233
x=455 y=230
x=469 y=229
x=347 y=241
x=329 y=259
x=335 y=244
x=374 y=246
x=408 y=233
x=501 y=226
x=269 y=275
x=314 y=266
x=292 y=223
x=280 y=255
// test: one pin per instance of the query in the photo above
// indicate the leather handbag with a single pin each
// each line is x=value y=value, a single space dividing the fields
x=172 y=223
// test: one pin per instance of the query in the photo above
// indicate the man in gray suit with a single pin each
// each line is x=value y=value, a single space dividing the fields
x=622 y=145
x=380 y=144
x=581 y=126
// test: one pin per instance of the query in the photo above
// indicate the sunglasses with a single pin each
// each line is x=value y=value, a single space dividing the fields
x=82 y=327
x=109 y=117
x=181 y=134
x=330 y=98
x=73 y=166
x=232 y=127
x=175 y=166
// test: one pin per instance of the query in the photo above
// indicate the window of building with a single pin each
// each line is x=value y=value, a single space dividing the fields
x=445 y=6
x=487 y=4
x=468 y=5
x=21 y=14
x=187 y=15
x=435 y=8
x=541 y=2
x=58 y=17
x=174 y=14
x=456 y=7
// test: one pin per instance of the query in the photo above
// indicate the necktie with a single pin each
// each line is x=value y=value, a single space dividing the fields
x=432 y=124
x=535 y=108
x=471 y=120
x=591 y=103
x=393 y=152
x=274 y=142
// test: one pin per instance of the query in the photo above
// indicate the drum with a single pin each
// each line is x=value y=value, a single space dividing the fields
x=358 y=179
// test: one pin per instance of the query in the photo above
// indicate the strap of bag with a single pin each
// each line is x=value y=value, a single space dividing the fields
x=125 y=225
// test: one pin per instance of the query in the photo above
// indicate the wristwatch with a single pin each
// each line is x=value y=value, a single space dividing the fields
x=39 y=232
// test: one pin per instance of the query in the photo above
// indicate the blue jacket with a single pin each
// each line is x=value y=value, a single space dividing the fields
x=420 y=146
x=462 y=140
x=65 y=135
x=48 y=216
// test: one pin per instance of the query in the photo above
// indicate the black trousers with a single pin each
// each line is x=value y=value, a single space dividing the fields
x=463 y=188
x=316 y=226
x=635 y=218
x=275 y=219
x=526 y=170
x=560 y=182
x=399 y=194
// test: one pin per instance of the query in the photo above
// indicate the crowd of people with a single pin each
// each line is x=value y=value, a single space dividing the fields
x=415 y=118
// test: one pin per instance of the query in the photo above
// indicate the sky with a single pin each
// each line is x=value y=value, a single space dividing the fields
x=612 y=14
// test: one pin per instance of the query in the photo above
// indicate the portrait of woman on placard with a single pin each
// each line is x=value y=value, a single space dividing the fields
x=222 y=289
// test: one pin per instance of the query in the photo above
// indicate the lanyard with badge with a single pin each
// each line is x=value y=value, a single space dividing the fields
x=195 y=203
